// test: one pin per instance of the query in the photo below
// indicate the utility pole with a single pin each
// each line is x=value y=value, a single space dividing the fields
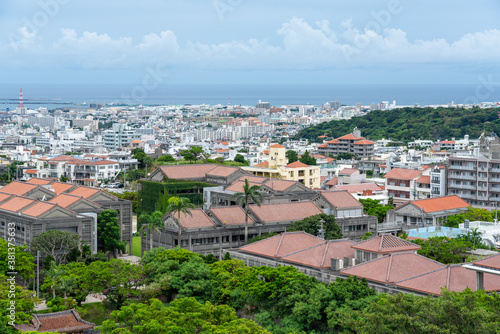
x=37 y=273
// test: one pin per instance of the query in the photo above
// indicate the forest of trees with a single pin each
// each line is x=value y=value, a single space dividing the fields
x=407 y=124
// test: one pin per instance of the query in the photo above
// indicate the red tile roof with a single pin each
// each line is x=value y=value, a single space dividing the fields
x=319 y=256
x=333 y=181
x=277 y=146
x=197 y=219
x=38 y=209
x=350 y=136
x=440 y=203
x=386 y=243
x=60 y=187
x=359 y=188
x=489 y=262
x=297 y=164
x=348 y=171
x=231 y=215
x=65 y=200
x=187 y=171
x=18 y=188
x=16 y=204
x=62 y=322
x=394 y=267
x=341 y=199
x=223 y=171
x=255 y=179
x=403 y=174
x=270 y=213
x=264 y=164
x=85 y=192
x=238 y=185
x=364 y=142
x=280 y=185
x=453 y=277
x=30 y=171
x=425 y=179
x=283 y=244
x=38 y=181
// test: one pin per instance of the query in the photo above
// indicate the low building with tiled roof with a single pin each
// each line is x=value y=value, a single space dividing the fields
x=351 y=143
x=393 y=268
x=487 y=265
x=284 y=213
x=401 y=184
x=453 y=277
x=282 y=244
x=60 y=322
x=427 y=212
x=321 y=256
x=382 y=245
x=211 y=173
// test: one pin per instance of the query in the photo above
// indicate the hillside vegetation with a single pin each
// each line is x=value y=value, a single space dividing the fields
x=407 y=124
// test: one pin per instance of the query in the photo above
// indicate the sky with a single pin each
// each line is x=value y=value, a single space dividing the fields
x=152 y=42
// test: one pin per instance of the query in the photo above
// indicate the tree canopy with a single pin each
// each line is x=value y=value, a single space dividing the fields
x=307 y=159
x=108 y=232
x=57 y=244
x=312 y=225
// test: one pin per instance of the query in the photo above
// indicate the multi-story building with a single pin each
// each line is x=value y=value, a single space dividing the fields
x=352 y=143
x=119 y=136
x=438 y=181
x=401 y=184
x=476 y=180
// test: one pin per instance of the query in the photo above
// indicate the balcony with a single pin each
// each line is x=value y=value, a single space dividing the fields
x=495 y=170
x=462 y=186
x=462 y=167
x=462 y=177
x=467 y=196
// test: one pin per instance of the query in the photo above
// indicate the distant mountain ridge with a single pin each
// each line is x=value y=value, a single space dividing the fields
x=408 y=124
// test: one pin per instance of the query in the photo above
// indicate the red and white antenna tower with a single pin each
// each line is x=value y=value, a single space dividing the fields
x=229 y=102
x=21 y=105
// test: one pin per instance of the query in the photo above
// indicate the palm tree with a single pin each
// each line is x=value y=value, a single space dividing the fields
x=242 y=198
x=54 y=274
x=151 y=223
x=179 y=204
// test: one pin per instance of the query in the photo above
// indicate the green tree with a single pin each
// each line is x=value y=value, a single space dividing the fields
x=23 y=260
x=108 y=232
x=182 y=316
x=261 y=237
x=307 y=159
x=135 y=174
x=241 y=159
x=117 y=279
x=312 y=225
x=150 y=223
x=166 y=158
x=472 y=214
x=292 y=156
x=243 y=199
x=444 y=250
x=188 y=155
x=52 y=275
x=373 y=207
x=63 y=178
x=177 y=205
x=13 y=296
x=57 y=244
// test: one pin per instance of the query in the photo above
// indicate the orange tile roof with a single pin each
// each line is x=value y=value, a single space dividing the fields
x=38 y=181
x=38 y=209
x=358 y=188
x=279 y=185
x=199 y=219
x=489 y=262
x=31 y=171
x=85 y=192
x=348 y=171
x=440 y=203
x=424 y=179
x=453 y=277
x=4 y=196
x=16 y=204
x=65 y=200
x=323 y=146
x=386 y=243
x=264 y=164
x=254 y=179
x=18 y=188
x=277 y=146
x=238 y=185
x=341 y=199
x=62 y=322
x=187 y=171
x=297 y=164
x=224 y=143
x=333 y=181
x=231 y=215
x=394 y=267
x=403 y=174
x=364 y=142
x=333 y=141
x=319 y=256
x=270 y=213
x=223 y=171
x=60 y=187
x=283 y=244
x=63 y=158
x=350 y=137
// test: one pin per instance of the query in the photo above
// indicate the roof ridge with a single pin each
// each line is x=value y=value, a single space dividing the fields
x=279 y=244
x=381 y=241
x=448 y=272
x=324 y=254
x=419 y=275
x=301 y=250
x=389 y=267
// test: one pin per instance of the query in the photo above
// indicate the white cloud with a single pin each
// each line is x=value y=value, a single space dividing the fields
x=303 y=46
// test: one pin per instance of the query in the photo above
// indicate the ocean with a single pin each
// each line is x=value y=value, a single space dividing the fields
x=59 y=96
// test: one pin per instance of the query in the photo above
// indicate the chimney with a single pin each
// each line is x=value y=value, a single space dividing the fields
x=367 y=192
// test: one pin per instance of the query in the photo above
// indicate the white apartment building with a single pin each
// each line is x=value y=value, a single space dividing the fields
x=119 y=136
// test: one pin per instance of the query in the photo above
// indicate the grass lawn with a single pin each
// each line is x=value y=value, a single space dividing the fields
x=136 y=246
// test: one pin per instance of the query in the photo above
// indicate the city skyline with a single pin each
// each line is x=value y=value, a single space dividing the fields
x=220 y=41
